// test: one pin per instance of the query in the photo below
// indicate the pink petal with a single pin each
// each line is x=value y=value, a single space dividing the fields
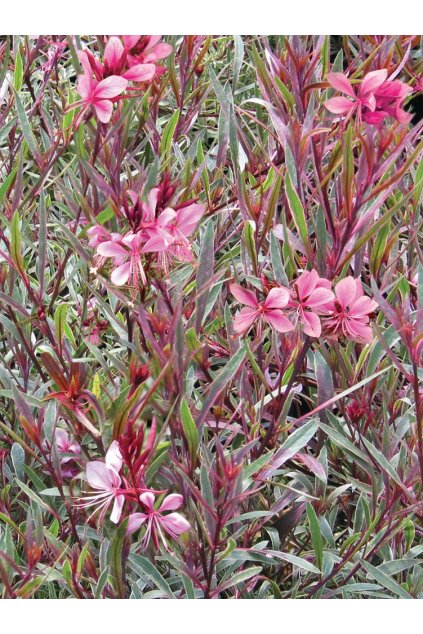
x=147 y=499
x=277 y=320
x=362 y=306
x=306 y=283
x=84 y=86
x=117 y=509
x=276 y=298
x=131 y=40
x=103 y=110
x=345 y=291
x=189 y=217
x=113 y=51
x=111 y=250
x=160 y=240
x=140 y=72
x=171 y=502
x=372 y=81
x=312 y=325
x=243 y=295
x=340 y=105
x=135 y=521
x=110 y=87
x=162 y=50
x=114 y=457
x=320 y=297
x=358 y=331
x=98 y=476
x=244 y=319
x=341 y=83
x=120 y=275
x=375 y=118
x=175 y=524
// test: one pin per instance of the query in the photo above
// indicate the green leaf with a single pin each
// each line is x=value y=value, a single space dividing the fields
x=204 y=274
x=385 y=580
x=220 y=381
x=167 y=136
x=18 y=71
x=15 y=243
x=27 y=129
x=145 y=568
x=297 y=212
x=117 y=558
x=190 y=430
x=316 y=535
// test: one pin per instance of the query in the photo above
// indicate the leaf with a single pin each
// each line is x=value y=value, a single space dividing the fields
x=239 y=577
x=220 y=381
x=190 y=430
x=316 y=535
x=60 y=322
x=7 y=184
x=116 y=555
x=295 y=441
x=385 y=580
x=18 y=71
x=297 y=212
x=27 y=129
x=204 y=274
x=18 y=459
x=145 y=568
x=167 y=136
x=296 y=561
x=16 y=244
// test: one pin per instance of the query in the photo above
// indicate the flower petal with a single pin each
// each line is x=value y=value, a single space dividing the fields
x=98 y=476
x=110 y=87
x=340 y=82
x=278 y=321
x=120 y=275
x=175 y=524
x=135 y=521
x=114 y=457
x=113 y=51
x=340 y=105
x=103 y=110
x=244 y=296
x=244 y=319
x=147 y=499
x=311 y=324
x=140 y=72
x=171 y=502
x=276 y=298
x=345 y=291
x=117 y=509
x=372 y=81
x=306 y=283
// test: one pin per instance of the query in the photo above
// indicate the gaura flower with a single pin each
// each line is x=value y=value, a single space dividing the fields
x=98 y=94
x=351 y=310
x=356 y=99
x=143 y=49
x=311 y=296
x=390 y=97
x=65 y=444
x=126 y=256
x=270 y=310
x=116 y=63
x=155 y=522
x=104 y=477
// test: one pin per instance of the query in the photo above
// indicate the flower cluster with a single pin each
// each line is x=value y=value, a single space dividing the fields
x=102 y=83
x=345 y=312
x=155 y=230
x=106 y=478
x=375 y=99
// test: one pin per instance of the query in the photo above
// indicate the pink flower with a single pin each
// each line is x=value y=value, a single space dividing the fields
x=127 y=259
x=311 y=297
x=390 y=97
x=171 y=230
x=146 y=49
x=115 y=63
x=66 y=445
x=269 y=310
x=97 y=235
x=351 y=310
x=104 y=477
x=173 y=523
x=98 y=94
x=358 y=99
